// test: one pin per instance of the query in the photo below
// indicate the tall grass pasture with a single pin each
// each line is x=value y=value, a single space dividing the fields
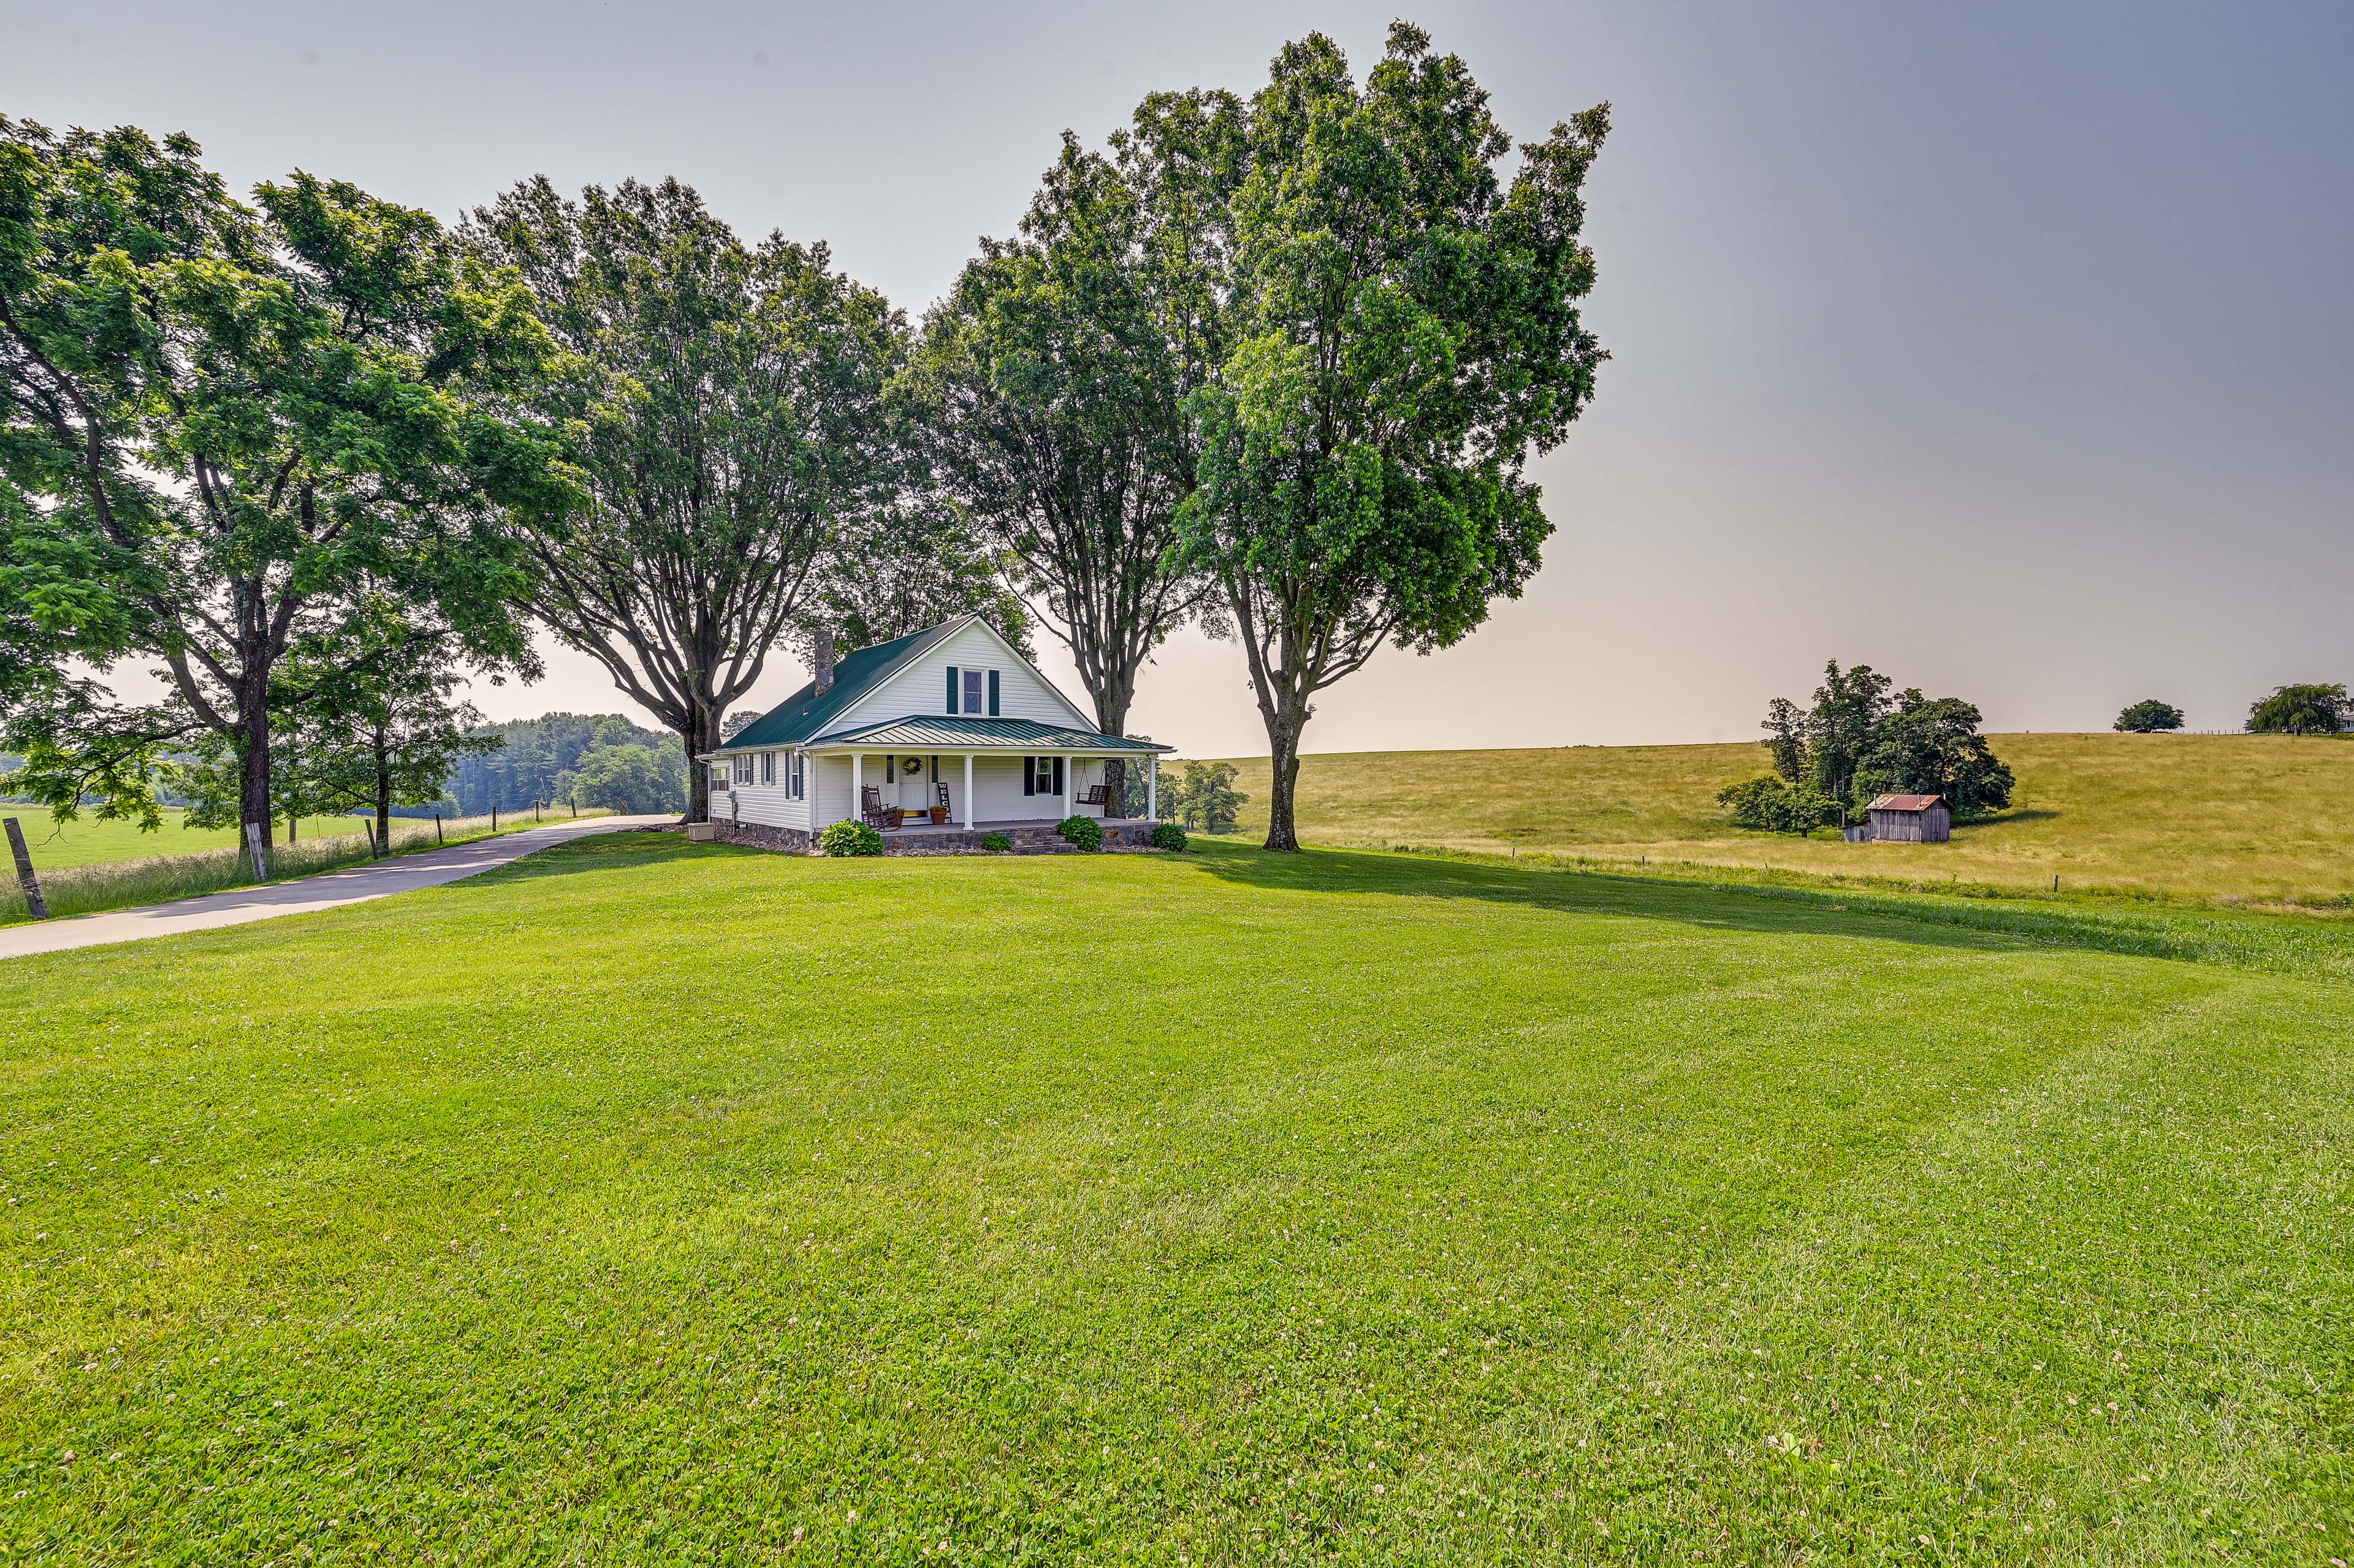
x=2232 y=817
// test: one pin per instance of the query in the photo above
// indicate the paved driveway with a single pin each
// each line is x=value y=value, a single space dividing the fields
x=353 y=884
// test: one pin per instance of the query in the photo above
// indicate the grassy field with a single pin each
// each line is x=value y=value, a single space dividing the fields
x=696 y=1205
x=105 y=879
x=2254 y=818
x=86 y=841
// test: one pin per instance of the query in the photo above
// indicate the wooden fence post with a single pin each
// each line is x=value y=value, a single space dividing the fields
x=261 y=859
x=34 y=902
x=436 y=827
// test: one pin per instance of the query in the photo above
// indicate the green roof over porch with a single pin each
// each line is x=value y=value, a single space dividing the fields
x=920 y=733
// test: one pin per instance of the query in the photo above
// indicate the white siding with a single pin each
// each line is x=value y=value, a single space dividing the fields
x=769 y=804
x=923 y=687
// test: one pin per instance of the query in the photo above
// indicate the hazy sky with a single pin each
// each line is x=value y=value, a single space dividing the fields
x=2007 y=348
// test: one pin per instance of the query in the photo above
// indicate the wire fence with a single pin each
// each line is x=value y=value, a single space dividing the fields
x=156 y=879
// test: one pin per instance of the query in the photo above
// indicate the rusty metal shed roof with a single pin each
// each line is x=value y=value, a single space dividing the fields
x=1905 y=802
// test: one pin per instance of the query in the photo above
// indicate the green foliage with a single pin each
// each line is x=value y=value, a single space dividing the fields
x=1931 y=747
x=2150 y=716
x=249 y=430
x=1055 y=375
x=851 y=838
x=1085 y=832
x=1204 y=797
x=628 y=778
x=995 y=844
x=724 y=407
x=1857 y=742
x=1808 y=1171
x=2302 y=710
x=1773 y=806
x=1404 y=334
x=533 y=753
x=1166 y=836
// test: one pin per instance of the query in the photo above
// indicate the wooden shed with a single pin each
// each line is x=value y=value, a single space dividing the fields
x=1911 y=818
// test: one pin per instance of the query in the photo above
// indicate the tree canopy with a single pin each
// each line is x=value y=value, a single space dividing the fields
x=229 y=434
x=1404 y=334
x=1054 y=378
x=723 y=406
x=2302 y=710
x=2148 y=716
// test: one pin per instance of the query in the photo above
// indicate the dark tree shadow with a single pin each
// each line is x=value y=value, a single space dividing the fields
x=1982 y=926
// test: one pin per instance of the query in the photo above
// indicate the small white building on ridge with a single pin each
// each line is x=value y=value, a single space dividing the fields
x=935 y=738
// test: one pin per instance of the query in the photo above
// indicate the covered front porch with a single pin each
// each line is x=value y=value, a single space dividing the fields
x=916 y=780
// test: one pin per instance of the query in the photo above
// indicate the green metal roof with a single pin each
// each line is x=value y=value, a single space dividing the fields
x=804 y=713
x=918 y=734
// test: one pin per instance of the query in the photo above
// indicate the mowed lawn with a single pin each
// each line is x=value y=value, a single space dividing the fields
x=2224 y=818
x=652 y=1203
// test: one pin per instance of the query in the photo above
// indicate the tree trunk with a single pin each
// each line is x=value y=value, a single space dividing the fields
x=253 y=785
x=1283 y=772
x=1111 y=718
x=383 y=798
x=698 y=774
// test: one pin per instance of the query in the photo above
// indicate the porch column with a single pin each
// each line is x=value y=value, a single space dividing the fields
x=1070 y=782
x=857 y=786
x=1153 y=788
x=968 y=792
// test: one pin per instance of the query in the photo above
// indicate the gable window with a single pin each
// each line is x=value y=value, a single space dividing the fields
x=974 y=700
x=768 y=767
x=741 y=765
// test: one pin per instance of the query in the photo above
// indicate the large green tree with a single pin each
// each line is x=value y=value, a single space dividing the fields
x=2311 y=709
x=239 y=424
x=1056 y=375
x=1404 y=335
x=2148 y=716
x=725 y=406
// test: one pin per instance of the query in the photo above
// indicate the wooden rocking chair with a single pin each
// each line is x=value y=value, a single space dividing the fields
x=871 y=807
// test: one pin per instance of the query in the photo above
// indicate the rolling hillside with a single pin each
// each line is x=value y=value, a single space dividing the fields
x=2232 y=818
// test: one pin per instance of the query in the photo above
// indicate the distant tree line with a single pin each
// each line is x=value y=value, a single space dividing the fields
x=1273 y=364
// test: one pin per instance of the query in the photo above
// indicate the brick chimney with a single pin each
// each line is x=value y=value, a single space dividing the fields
x=824 y=659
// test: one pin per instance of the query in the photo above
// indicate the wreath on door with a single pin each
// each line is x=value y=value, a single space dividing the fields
x=911 y=766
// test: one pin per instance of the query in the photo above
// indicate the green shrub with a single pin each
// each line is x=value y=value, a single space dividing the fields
x=1767 y=804
x=995 y=844
x=1167 y=836
x=851 y=838
x=1084 y=831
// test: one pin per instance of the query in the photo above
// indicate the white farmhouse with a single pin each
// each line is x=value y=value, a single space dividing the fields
x=935 y=738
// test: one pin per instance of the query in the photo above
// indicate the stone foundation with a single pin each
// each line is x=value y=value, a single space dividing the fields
x=760 y=836
x=1026 y=839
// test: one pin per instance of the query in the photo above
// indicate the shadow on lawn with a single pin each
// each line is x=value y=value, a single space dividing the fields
x=2275 y=944
x=1573 y=893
